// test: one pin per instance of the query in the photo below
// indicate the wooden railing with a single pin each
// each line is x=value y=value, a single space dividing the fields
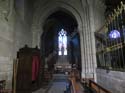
x=73 y=85
x=74 y=77
x=97 y=88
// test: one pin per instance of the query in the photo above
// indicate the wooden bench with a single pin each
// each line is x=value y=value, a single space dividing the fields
x=97 y=88
x=74 y=78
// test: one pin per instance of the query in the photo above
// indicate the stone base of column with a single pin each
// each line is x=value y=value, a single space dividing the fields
x=87 y=75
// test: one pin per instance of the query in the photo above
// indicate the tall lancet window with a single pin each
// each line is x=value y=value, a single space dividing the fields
x=62 y=42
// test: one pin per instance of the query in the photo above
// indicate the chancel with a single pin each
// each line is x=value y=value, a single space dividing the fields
x=63 y=61
x=62 y=46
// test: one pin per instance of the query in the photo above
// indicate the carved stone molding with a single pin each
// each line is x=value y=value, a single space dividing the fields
x=40 y=14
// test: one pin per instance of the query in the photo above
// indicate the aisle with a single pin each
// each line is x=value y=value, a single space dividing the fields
x=40 y=91
x=60 y=81
x=58 y=84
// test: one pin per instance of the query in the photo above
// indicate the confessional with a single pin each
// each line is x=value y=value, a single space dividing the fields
x=28 y=70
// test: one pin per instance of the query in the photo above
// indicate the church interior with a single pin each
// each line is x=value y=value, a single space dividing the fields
x=60 y=46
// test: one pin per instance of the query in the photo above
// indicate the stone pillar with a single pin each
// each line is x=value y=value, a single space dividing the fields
x=88 y=47
x=85 y=42
x=93 y=26
x=89 y=68
x=82 y=52
x=97 y=20
x=84 y=45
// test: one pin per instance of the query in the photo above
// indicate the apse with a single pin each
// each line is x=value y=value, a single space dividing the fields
x=59 y=29
x=53 y=25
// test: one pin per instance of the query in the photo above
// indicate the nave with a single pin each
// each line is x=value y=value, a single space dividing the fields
x=60 y=84
x=40 y=37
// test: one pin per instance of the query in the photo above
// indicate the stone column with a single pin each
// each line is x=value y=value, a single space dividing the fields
x=90 y=67
x=89 y=57
x=82 y=52
x=86 y=57
x=89 y=72
x=85 y=42
x=92 y=43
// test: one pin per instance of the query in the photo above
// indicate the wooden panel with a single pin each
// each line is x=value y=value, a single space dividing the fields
x=24 y=74
x=24 y=71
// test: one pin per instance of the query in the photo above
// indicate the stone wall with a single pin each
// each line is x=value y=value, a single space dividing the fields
x=114 y=81
x=14 y=34
x=6 y=43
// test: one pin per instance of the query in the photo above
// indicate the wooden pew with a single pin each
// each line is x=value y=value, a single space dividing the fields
x=97 y=88
x=74 y=78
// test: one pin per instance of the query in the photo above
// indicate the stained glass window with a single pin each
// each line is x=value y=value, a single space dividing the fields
x=62 y=42
x=114 y=34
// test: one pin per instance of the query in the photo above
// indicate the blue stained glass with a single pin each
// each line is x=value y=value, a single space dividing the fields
x=114 y=34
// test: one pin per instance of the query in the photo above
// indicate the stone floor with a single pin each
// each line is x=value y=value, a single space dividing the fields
x=58 y=84
x=40 y=91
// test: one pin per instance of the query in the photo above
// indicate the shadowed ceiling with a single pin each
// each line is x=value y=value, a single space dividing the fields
x=111 y=5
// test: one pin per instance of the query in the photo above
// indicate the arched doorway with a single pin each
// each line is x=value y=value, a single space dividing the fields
x=50 y=43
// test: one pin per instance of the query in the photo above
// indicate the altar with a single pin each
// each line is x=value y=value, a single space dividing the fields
x=66 y=67
x=62 y=63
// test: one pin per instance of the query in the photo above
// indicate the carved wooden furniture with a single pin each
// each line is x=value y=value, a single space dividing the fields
x=28 y=70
